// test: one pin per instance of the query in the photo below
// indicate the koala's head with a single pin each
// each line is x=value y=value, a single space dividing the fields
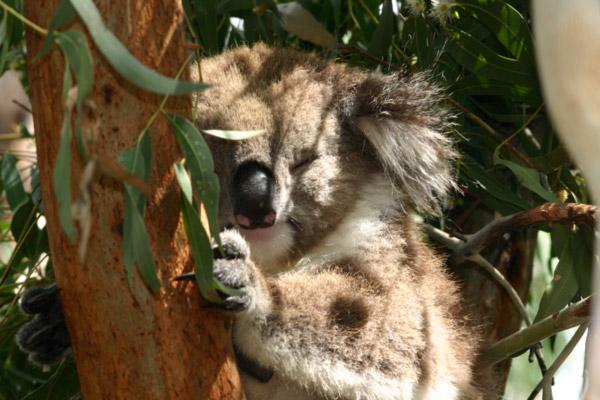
x=335 y=136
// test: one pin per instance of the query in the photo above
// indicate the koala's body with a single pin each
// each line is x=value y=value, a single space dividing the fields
x=342 y=299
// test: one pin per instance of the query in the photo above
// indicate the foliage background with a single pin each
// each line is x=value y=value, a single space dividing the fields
x=481 y=51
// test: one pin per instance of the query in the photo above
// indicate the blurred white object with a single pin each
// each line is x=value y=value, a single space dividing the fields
x=14 y=105
x=567 y=35
x=298 y=21
x=11 y=113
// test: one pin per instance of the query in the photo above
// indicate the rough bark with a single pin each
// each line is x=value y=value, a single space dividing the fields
x=127 y=342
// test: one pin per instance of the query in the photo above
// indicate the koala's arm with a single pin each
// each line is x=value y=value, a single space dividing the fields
x=337 y=332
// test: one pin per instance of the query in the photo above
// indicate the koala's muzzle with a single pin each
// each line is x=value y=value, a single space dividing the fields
x=253 y=190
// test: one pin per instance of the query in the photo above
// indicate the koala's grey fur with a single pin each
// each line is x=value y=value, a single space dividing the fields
x=342 y=299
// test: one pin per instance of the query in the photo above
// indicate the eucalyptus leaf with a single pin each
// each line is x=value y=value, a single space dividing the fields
x=64 y=15
x=61 y=178
x=471 y=53
x=136 y=241
x=528 y=177
x=11 y=179
x=75 y=47
x=233 y=135
x=200 y=164
x=506 y=23
x=201 y=250
x=382 y=38
x=121 y=59
x=563 y=286
x=491 y=183
x=63 y=384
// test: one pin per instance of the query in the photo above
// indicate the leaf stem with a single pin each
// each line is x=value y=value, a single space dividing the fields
x=23 y=19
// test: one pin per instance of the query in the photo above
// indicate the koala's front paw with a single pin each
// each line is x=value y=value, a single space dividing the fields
x=234 y=269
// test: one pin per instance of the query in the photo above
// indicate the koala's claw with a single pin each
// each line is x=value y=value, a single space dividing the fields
x=235 y=303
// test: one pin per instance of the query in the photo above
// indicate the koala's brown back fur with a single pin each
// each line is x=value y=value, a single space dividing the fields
x=346 y=300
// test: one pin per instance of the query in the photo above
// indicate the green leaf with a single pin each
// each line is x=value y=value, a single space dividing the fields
x=61 y=177
x=23 y=227
x=200 y=164
x=205 y=14
x=582 y=250
x=485 y=62
x=563 y=286
x=506 y=23
x=491 y=183
x=63 y=384
x=528 y=177
x=75 y=48
x=64 y=15
x=136 y=242
x=184 y=182
x=233 y=135
x=121 y=59
x=15 y=192
x=382 y=37
x=200 y=246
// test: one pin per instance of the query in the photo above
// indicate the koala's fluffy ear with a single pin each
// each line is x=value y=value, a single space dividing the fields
x=402 y=119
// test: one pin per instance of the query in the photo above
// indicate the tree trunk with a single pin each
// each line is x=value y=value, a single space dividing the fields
x=127 y=342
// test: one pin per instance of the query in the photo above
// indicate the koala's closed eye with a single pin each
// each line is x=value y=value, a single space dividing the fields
x=302 y=162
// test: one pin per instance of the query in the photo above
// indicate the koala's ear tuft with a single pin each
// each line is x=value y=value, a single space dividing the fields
x=402 y=119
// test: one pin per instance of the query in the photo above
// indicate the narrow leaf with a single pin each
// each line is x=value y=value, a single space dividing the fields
x=563 y=286
x=15 y=192
x=76 y=50
x=528 y=177
x=382 y=38
x=64 y=15
x=233 y=135
x=121 y=59
x=136 y=241
x=201 y=250
x=184 y=182
x=62 y=168
x=200 y=164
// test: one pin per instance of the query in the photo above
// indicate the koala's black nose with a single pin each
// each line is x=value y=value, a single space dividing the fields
x=253 y=188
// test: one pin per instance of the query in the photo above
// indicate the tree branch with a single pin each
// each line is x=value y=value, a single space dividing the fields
x=546 y=213
x=577 y=314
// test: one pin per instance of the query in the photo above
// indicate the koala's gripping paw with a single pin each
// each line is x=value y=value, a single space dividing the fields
x=45 y=338
x=234 y=269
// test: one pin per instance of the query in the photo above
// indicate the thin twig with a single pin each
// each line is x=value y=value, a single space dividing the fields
x=22 y=18
x=22 y=106
x=577 y=314
x=546 y=381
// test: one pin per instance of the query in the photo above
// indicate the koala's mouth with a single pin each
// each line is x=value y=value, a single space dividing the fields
x=259 y=234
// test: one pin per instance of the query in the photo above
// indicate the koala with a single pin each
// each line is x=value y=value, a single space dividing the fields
x=340 y=297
